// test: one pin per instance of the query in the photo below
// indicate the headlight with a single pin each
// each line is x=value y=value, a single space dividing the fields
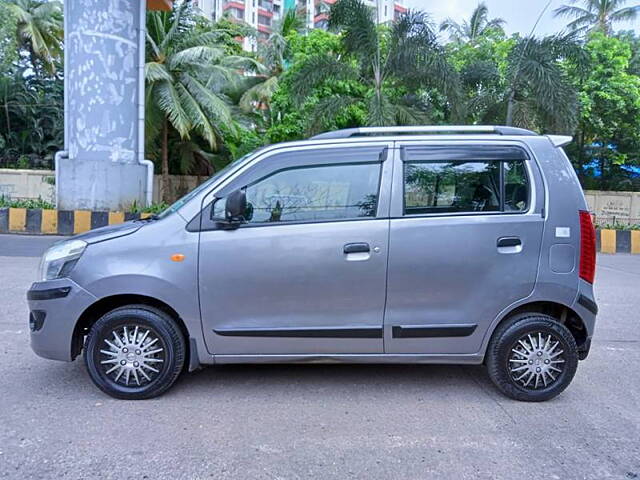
x=58 y=261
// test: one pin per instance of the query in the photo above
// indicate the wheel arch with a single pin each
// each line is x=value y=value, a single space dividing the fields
x=103 y=305
x=562 y=313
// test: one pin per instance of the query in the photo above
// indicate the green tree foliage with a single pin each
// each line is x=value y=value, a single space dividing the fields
x=540 y=95
x=31 y=90
x=39 y=31
x=394 y=64
x=31 y=119
x=8 y=41
x=597 y=15
x=290 y=117
x=517 y=81
x=473 y=29
x=186 y=73
x=609 y=128
x=274 y=54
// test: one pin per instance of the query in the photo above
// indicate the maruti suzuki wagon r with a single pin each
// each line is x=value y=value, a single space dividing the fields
x=461 y=245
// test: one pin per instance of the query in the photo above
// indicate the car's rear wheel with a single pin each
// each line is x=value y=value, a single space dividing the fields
x=532 y=357
x=134 y=352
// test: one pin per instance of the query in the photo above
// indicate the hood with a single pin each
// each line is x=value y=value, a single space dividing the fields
x=111 y=231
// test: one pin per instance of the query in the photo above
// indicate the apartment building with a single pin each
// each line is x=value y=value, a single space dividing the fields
x=317 y=11
x=262 y=14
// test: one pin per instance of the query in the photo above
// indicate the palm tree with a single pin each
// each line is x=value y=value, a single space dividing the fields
x=404 y=57
x=470 y=31
x=539 y=91
x=39 y=30
x=597 y=15
x=186 y=73
x=274 y=54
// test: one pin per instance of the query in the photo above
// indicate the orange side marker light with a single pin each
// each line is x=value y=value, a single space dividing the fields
x=177 y=257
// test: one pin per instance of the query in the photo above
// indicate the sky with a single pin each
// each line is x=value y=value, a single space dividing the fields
x=520 y=15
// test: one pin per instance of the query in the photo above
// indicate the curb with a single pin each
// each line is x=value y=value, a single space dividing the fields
x=59 y=222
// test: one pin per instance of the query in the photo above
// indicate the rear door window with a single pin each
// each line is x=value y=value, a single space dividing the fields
x=464 y=186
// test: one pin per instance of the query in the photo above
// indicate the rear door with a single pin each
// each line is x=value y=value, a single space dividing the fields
x=464 y=242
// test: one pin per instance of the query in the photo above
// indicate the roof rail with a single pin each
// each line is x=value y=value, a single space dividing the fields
x=364 y=131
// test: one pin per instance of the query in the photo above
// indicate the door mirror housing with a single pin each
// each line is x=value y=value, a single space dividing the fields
x=235 y=209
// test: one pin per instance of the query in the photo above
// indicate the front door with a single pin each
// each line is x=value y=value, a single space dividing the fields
x=464 y=243
x=306 y=274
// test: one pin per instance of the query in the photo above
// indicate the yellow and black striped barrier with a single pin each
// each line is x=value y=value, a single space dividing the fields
x=59 y=222
x=618 y=241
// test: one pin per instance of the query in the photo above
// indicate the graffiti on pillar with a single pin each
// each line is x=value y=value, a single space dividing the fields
x=102 y=79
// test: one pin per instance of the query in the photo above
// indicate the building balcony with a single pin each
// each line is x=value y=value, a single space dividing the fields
x=233 y=4
x=400 y=8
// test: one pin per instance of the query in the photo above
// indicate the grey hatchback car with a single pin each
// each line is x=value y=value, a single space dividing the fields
x=462 y=245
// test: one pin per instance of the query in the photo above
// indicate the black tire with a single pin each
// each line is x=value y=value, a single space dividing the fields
x=501 y=355
x=166 y=355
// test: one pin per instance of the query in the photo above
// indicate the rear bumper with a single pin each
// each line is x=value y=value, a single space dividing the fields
x=55 y=307
x=586 y=307
x=583 y=350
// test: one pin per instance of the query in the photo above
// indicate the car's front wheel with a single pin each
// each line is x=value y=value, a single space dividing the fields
x=134 y=352
x=532 y=357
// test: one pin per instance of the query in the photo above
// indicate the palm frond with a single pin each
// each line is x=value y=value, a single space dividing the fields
x=195 y=56
x=626 y=14
x=197 y=116
x=175 y=25
x=212 y=104
x=317 y=70
x=355 y=20
x=571 y=11
x=323 y=115
x=246 y=64
x=156 y=72
x=258 y=95
x=168 y=100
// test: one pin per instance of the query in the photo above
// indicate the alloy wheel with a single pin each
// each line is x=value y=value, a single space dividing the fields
x=536 y=360
x=132 y=355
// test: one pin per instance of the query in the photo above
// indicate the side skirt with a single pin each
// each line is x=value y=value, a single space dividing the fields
x=472 y=359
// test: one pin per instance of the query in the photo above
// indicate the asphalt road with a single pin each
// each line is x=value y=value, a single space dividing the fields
x=319 y=421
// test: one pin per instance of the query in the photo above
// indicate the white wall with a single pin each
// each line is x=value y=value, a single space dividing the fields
x=27 y=184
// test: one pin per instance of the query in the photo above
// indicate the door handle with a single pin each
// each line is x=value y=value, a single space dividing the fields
x=509 y=242
x=357 y=248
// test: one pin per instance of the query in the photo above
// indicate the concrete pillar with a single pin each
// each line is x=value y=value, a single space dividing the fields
x=104 y=166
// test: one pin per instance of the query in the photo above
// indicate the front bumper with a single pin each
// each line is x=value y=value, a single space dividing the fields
x=55 y=307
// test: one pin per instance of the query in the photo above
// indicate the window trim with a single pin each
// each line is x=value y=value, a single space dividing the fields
x=204 y=221
x=301 y=167
x=502 y=211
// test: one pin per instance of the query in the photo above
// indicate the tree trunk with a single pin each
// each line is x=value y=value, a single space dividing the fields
x=165 y=161
x=512 y=96
x=6 y=113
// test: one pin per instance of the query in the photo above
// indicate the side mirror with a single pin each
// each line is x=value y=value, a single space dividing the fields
x=236 y=207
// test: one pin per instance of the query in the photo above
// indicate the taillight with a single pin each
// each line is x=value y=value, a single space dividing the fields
x=587 y=247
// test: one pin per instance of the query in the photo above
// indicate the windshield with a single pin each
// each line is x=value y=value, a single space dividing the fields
x=179 y=203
